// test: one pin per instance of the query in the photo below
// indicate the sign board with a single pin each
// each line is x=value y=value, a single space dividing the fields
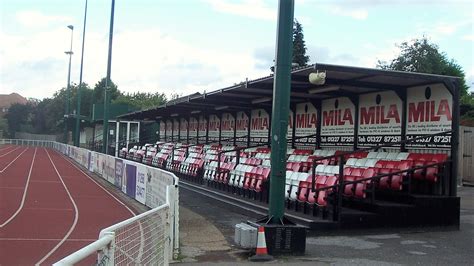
x=259 y=126
x=169 y=130
x=183 y=130
x=193 y=127
x=202 y=127
x=306 y=123
x=227 y=126
x=214 y=125
x=379 y=118
x=429 y=111
x=175 y=129
x=337 y=127
x=242 y=126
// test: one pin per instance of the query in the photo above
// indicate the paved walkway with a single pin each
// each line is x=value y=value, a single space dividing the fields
x=207 y=231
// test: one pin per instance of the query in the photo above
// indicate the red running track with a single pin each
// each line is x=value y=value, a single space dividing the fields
x=49 y=208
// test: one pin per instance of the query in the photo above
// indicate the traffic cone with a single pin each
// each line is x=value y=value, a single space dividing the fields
x=261 y=254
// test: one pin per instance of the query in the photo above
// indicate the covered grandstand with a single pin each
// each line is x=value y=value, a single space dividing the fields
x=366 y=147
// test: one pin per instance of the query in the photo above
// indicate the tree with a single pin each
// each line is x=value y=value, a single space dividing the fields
x=114 y=93
x=19 y=117
x=299 y=46
x=420 y=55
x=141 y=100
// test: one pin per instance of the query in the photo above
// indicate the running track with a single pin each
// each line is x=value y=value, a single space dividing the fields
x=49 y=207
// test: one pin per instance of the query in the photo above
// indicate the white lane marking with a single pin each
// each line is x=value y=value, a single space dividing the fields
x=48 y=209
x=1 y=171
x=24 y=193
x=10 y=151
x=99 y=185
x=6 y=148
x=76 y=216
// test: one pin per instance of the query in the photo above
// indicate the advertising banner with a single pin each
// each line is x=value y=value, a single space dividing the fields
x=242 y=126
x=306 y=123
x=109 y=169
x=119 y=168
x=130 y=179
x=429 y=111
x=202 y=128
x=337 y=122
x=183 y=130
x=140 y=190
x=162 y=130
x=379 y=118
x=214 y=124
x=156 y=183
x=91 y=161
x=289 y=133
x=175 y=129
x=193 y=127
x=259 y=126
x=227 y=126
x=169 y=130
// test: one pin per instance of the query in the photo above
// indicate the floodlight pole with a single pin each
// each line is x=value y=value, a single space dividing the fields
x=280 y=110
x=68 y=88
x=105 y=133
x=78 y=112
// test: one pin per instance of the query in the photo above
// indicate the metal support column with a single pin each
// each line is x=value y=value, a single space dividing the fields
x=280 y=109
x=108 y=83
x=117 y=137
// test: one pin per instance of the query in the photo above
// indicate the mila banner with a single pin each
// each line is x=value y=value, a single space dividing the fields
x=169 y=130
x=227 y=126
x=379 y=118
x=289 y=133
x=214 y=125
x=202 y=127
x=162 y=130
x=193 y=127
x=242 y=126
x=183 y=129
x=429 y=111
x=306 y=123
x=259 y=126
x=338 y=122
x=175 y=128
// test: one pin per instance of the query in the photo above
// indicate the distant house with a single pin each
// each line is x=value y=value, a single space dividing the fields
x=7 y=100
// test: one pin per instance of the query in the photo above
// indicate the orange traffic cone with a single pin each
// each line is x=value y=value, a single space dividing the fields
x=261 y=254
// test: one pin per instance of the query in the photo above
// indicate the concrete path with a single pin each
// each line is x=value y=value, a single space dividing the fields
x=207 y=238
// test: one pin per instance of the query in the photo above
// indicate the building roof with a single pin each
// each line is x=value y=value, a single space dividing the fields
x=252 y=94
x=6 y=100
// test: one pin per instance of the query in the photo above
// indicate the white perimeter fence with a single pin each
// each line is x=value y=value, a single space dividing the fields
x=151 y=238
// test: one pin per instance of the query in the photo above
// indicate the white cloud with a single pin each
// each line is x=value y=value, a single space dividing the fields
x=146 y=60
x=36 y=19
x=257 y=9
x=468 y=37
x=355 y=13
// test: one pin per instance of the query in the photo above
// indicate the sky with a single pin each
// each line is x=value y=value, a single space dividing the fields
x=188 y=46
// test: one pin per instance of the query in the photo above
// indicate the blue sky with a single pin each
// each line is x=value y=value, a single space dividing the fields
x=185 y=46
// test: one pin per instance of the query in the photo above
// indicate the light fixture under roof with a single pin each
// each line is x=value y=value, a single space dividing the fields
x=174 y=115
x=318 y=78
x=195 y=112
x=262 y=100
x=323 y=89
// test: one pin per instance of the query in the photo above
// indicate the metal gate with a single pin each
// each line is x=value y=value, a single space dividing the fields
x=466 y=159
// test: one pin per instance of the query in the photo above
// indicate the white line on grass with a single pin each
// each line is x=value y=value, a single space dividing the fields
x=76 y=216
x=24 y=194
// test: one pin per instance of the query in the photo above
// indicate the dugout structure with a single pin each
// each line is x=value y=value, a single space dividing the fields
x=353 y=111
